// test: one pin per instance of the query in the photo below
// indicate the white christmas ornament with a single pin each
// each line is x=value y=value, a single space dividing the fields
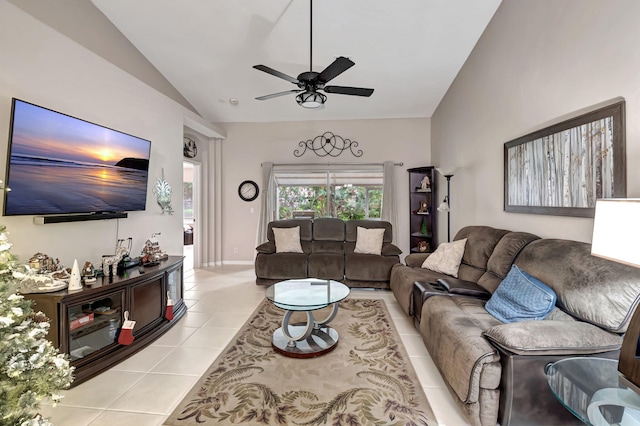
x=74 y=280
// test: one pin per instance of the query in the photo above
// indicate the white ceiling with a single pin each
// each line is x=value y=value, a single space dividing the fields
x=409 y=51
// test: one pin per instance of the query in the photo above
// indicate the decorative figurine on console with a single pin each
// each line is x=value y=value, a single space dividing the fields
x=88 y=273
x=109 y=260
x=42 y=275
x=151 y=252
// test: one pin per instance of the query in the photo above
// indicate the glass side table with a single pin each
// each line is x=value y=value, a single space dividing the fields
x=594 y=391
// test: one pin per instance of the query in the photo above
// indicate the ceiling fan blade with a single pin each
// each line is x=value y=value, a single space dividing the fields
x=342 y=90
x=275 y=95
x=276 y=73
x=336 y=68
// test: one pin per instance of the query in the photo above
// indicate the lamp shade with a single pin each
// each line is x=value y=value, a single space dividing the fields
x=616 y=230
x=446 y=171
x=444 y=207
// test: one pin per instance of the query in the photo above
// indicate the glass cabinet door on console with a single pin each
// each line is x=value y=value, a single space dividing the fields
x=174 y=286
x=93 y=325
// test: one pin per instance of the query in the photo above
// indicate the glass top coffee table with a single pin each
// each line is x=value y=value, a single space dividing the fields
x=312 y=337
x=594 y=391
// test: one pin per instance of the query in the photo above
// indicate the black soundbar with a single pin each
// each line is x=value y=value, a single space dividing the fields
x=43 y=220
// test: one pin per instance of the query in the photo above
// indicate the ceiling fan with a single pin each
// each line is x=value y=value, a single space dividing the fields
x=310 y=83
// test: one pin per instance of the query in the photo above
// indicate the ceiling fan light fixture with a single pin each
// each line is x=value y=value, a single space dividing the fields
x=311 y=99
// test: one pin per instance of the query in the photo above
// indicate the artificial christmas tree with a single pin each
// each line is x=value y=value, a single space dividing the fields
x=30 y=367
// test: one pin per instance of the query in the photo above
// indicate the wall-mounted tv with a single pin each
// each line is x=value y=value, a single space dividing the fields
x=58 y=164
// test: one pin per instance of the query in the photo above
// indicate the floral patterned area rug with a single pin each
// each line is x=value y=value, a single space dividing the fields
x=366 y=380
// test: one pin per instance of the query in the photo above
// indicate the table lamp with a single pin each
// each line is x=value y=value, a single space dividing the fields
x=615 y=235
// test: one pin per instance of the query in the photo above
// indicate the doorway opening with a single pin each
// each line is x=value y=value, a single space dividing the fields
x=190 y=214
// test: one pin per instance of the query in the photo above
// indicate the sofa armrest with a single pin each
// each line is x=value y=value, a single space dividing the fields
x=460 y=287
x=552 y=338
x=415 y=260
x=267 y=248
x=389 y=249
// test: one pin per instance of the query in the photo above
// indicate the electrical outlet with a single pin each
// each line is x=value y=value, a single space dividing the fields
x=235 y=249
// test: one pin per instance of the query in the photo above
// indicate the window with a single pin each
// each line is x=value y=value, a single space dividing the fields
x=345 y=194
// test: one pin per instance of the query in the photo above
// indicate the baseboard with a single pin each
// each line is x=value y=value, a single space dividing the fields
x=237 y=262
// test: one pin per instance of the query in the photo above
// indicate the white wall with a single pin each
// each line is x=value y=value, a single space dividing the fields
x=41 y=66
x=537 y=63
x=249 y=144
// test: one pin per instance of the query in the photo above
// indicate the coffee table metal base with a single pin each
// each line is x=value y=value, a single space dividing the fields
x=320 y=341
x=306 y=340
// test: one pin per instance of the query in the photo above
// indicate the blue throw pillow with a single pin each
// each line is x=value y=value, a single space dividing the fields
x=521 y=297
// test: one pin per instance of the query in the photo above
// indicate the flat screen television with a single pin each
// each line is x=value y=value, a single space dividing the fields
x=58 y=165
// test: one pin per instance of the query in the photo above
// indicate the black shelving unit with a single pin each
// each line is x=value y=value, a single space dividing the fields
x=422 y=220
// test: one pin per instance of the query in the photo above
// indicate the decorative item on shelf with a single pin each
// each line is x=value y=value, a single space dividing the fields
x=163 y=194
x=615 y=236
x=74 y=280
x=424 y=209
x=445 y=206
x=328 y=144
x=425 y=185
x=423 y=246
x=109 y=260
x=88 y=273
x=151 y=252
x=42 y=263
x=423 y=227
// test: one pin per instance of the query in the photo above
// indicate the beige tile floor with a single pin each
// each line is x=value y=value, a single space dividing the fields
x=144 y=389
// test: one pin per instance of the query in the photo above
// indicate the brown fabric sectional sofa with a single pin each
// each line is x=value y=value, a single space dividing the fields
x=495 y=371
x=328 y=252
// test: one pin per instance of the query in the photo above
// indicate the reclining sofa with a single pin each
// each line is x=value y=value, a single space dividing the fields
x=328 y=252
x=495 y=370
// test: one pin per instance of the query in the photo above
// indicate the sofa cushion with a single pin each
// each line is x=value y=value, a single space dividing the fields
x=369 y=241
x=351 y=229
x=553 y=338
x=504 y=253
x=328 y=266
x=281 y=266
x=446 y=259
x=287 y=240
x=482 y=241
x=521 y=297
x=369 y=267
x=305 y=225
x=592 y=289
x=328 y=229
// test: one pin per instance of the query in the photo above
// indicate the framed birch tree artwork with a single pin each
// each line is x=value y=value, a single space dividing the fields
x=564 y=168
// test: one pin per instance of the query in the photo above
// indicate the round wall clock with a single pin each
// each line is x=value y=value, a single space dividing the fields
x=248 y=190
x=190 y=149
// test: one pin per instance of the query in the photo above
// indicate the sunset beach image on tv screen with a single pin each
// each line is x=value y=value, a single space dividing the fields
x=59 y=164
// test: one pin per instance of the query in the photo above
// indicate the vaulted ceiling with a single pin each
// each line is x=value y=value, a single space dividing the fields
x=409 y=51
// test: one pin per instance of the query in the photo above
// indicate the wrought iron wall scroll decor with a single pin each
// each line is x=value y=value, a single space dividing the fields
x=328 y=144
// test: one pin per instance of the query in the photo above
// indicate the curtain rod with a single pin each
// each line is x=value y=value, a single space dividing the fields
x=332 y=164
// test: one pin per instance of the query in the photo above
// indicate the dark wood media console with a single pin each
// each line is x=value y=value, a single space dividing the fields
x=85 y=323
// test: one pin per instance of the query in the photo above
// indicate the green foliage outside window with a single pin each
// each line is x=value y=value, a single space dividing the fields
x=347 y=201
